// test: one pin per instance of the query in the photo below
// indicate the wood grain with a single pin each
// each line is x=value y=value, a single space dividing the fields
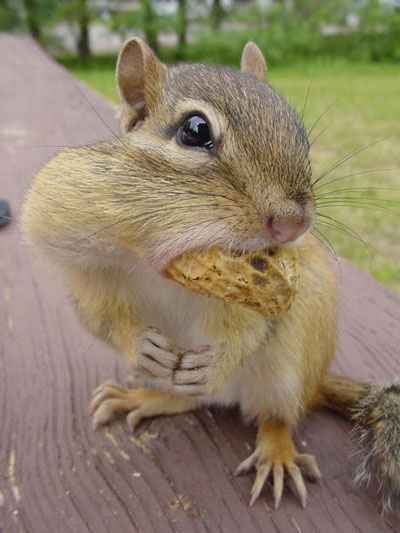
x=56 y=474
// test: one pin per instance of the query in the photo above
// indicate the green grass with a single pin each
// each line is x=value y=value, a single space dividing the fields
x=362 y=105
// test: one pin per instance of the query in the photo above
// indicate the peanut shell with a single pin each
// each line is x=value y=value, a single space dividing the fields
x=265 y=280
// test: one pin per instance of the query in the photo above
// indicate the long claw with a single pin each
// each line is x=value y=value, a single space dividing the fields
x=109 y=386
x=105 y=412
x=298 y=482
x=247 y=464
x=278 y=473
x=262 y=475
x=106 y=391
x=309 y=465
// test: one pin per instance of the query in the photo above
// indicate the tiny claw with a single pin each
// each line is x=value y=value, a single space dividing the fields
x=133 y=420
x=108 y=385
x=103 y=414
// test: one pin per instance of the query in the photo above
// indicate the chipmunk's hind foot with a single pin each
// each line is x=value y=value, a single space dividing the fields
x=111 y=400
x=275 y=456
x=377 y=436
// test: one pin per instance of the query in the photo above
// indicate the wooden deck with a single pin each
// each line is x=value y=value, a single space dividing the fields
x=175 y=475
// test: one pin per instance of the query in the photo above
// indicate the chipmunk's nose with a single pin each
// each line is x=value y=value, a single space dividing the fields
x=283 y=229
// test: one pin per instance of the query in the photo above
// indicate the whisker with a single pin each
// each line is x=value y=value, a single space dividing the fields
x=145 y=218
x=306 y=97
x=328 y=204
x=354 y=199
x=317 y=120
x=353 y=175
x=198 y=194
x=358 y=190
x=48 y=147
x=323 y=239
x=346 y=158
x=341 y=226
x=318 y=136
x=105 y=124
x=345 y=230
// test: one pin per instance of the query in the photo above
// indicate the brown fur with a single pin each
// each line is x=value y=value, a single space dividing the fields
x=112 y=215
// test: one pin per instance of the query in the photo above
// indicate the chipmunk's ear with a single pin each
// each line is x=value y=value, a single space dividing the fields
x=253 y=62
x=140 y=77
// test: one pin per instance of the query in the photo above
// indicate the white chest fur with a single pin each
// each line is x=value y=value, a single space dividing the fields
x=265 y=381
x=180 y=314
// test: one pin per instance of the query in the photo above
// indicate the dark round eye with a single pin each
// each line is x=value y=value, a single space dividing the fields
x=195 y=132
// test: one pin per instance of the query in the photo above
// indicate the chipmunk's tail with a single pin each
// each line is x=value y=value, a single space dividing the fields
x=375 y=412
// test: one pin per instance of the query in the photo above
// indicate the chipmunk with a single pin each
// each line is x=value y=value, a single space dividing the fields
x=209 y=156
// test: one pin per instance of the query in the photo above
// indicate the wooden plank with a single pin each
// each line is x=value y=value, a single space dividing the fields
x=56 y=474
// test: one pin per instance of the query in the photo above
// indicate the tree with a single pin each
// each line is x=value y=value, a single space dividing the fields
x=83 y=43
x=150 y=24
x=9 y=15
x=78 y=14
x=182 y=27
x=32 y=16
x=217 y=14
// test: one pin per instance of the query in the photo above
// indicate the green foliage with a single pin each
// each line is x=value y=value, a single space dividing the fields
x=10 y=18
x=123 y=23
x=305 y=30
x=288 y=31
x=25 y=14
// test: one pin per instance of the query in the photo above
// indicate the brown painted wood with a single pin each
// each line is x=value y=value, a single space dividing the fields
x=56 y=474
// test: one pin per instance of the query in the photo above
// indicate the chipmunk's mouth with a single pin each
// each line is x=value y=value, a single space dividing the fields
x=164 y=253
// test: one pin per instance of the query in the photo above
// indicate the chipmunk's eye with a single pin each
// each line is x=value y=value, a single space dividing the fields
x=195 y=132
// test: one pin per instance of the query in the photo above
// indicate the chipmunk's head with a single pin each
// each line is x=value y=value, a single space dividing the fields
x=225 y=159
x=208 y=156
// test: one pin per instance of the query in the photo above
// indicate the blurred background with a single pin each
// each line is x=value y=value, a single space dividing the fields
x=337 y=61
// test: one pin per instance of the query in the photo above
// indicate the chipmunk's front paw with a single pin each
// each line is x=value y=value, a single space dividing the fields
x=111 y=400
x=160 y=366
x=275 y=455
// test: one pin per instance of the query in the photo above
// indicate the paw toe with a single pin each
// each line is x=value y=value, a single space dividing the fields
x=309 y=466
x=134 y=418
x=247 y=464
x=103 y=392
x=105 y=412
x=298 y=483
x=263 y=472
x=278 y=476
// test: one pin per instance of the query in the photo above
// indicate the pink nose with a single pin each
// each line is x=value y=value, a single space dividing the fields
x=286 y=228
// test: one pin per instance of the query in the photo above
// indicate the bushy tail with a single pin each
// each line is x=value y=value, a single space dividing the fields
x=375 y=412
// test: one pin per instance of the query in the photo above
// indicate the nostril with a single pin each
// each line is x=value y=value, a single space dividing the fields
x=270 y=223
x=284 y=229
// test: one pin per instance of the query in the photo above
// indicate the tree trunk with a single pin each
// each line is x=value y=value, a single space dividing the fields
x=83 y=43
x=182 y=28
x=149 y=25
x=217 y=15
x=32 y=19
